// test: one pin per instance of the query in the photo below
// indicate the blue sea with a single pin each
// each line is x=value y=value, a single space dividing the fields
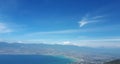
x=33 y=59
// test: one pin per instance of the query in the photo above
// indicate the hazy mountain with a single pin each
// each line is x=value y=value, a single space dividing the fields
x=81 y=54
x=20 y=46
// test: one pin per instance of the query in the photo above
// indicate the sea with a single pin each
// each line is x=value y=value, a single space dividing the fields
x=34 y=59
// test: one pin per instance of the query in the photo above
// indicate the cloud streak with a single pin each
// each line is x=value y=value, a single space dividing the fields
x=4 y=28
x=69 y=31
x=87 y=20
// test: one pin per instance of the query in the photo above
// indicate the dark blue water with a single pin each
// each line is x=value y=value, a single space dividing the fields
x=33 y=59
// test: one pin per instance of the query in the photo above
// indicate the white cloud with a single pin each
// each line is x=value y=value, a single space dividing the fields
x=87 y=19
x=82 y=23
x=66 y=43
x=4 y=28
x=97 y=17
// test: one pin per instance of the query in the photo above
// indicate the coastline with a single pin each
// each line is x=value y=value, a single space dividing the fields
x=65 y=59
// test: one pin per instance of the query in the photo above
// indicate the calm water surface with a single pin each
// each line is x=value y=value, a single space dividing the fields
x=33 y=59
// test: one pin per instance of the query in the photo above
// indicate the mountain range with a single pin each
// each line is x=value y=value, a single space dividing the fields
x=85 y=55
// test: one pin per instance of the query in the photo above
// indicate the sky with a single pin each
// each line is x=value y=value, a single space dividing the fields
x=93 y=23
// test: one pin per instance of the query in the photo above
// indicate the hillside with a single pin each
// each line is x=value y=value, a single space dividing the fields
x=113 y=62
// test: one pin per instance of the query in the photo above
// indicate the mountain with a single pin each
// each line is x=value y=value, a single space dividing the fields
x=85 y=55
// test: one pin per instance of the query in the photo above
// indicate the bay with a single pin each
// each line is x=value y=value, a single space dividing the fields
x=33 y=59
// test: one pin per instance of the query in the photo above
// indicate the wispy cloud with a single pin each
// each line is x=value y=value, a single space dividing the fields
x=88 y=19
x=82 y=23
x=97 y=17
x=54 y=32
x=69 y=31
x=4 y=28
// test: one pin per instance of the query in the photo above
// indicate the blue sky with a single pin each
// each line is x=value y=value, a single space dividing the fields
x=93 y=23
